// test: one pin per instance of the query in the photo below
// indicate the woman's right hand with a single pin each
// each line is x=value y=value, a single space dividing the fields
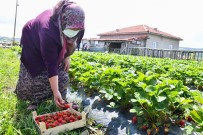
x=58 y=99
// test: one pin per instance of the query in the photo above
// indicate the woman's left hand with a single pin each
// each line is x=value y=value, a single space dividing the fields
x=67 y=64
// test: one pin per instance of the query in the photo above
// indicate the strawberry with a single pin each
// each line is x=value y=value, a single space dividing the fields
x=63 y=122
x=144 y=127
x=37 y=121
x=189 y=119
x=47 y=125
x=53 y=125
x=55 y=117
x=56 y=123
x=60 y=119
x=67 y=119
x=182 y=123
x=64 y=116
x=72 y=118
x=68 y=114
x=66 y=106
x=37 y=118
x=134 y=119
x=79 y=117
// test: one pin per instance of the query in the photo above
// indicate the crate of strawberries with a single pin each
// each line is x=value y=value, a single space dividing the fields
x=60 y=121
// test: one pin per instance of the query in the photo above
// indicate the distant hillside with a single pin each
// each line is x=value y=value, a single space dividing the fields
x=191 y=49
x=8 y=39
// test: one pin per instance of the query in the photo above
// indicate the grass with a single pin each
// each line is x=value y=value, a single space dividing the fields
x=14 y=118
x=9 y=68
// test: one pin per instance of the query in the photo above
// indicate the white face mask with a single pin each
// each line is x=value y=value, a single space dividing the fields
x=70 y=33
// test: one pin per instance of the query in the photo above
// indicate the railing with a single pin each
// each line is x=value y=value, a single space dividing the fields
x=165 y=53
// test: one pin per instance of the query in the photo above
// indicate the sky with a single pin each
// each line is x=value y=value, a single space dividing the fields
x=181 y=18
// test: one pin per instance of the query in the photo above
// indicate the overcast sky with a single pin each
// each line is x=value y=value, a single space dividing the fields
x=182 y=18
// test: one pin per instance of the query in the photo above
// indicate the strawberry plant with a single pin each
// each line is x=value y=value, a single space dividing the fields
x=195 y=115
x=159 y=100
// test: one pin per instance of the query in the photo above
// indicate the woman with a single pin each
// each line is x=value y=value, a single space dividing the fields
x=47 y=42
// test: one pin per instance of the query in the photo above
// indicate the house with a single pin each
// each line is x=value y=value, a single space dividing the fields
x=125 y=39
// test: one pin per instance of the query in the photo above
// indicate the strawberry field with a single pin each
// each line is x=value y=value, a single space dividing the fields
x=160 y=93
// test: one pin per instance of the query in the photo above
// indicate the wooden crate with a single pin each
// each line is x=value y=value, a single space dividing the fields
x=65 y=127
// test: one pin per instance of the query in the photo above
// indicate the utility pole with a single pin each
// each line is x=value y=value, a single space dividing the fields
x=15 y=22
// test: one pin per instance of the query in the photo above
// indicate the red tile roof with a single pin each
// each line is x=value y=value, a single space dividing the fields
x=143 y=29
x=117 y=39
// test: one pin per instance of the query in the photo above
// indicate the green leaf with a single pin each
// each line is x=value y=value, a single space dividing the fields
x=133 y=100
x=197 y=116
x=185 y=101
x=199 y=99
x=117 y=96
x=108 y=96
x=102 y=91
x=151 y=80
x=189 y=129
x=136 y=110
x=133 y=110
x=173 y=94
x=160 y=107
x=141 y=76
x=160 y=98
x=112 y=105
x=150 y=88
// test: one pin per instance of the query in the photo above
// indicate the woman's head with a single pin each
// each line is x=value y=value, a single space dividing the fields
x=70 y=15
x=70 y=18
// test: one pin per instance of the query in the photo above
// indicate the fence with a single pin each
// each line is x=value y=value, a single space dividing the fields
x=165 y=53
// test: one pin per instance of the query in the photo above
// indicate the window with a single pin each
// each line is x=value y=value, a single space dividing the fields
x=138 y=42
x=170 y=46
x=154 y=45
x=96 y=42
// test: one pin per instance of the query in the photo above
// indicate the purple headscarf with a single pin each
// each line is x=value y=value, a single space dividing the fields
x=73 y=17
x=70 y=15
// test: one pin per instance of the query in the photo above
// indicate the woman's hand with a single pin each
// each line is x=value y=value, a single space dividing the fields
x=67 y=64
x=58 y=99
x=57 y=95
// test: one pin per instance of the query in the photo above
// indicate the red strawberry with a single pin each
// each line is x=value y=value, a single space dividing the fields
x=72 y=118
x=67 y=119
x=68 y=114
x=47 y=125
x=53 y=125
x=60 y=119
x=66 y=106
x=64 y=116
x=182 y=123
x=37 y=118
x=79 y=117
x=55 y=117
x=134 y=119
x=37 y=121
x=56 y=123
x=189 y=118
x=63 y=122
x=144 y=127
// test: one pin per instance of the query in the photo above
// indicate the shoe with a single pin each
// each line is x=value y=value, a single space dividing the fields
x=32 y=107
